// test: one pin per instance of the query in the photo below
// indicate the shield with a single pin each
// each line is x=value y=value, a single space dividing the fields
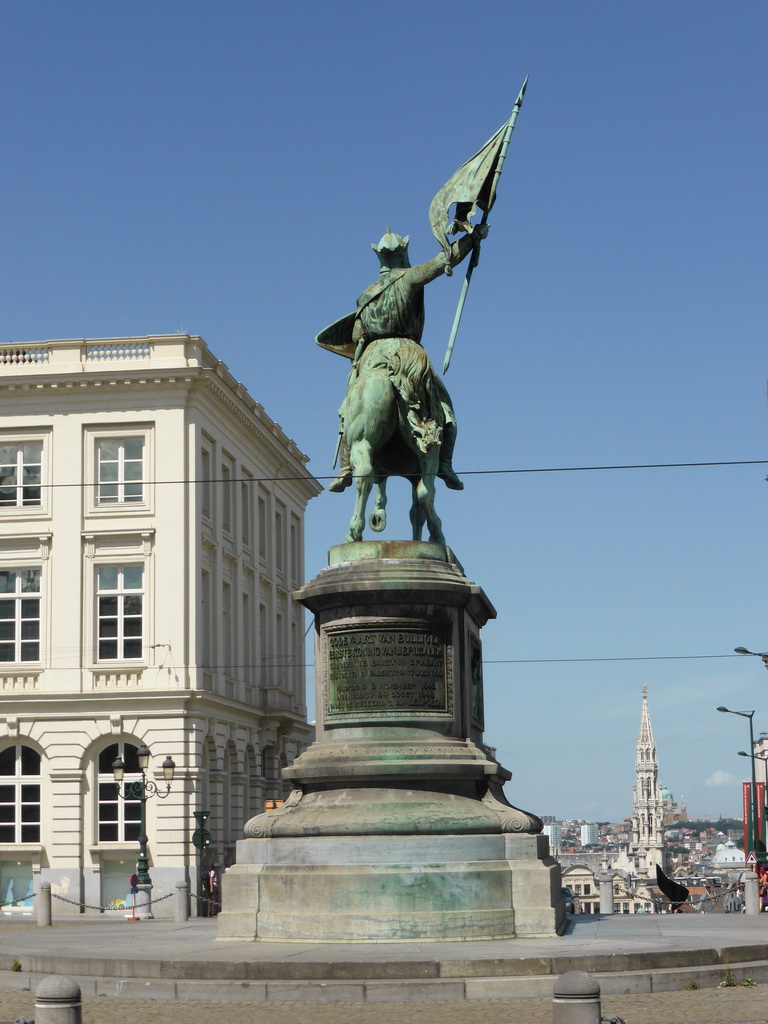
x=338 y=337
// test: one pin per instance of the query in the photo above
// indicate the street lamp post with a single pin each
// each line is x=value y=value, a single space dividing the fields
x=755 y=654
x=764 y=759
x=753 y=843
x=142 y=791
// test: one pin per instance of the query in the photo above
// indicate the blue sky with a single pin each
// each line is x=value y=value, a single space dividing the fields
x=222 y=170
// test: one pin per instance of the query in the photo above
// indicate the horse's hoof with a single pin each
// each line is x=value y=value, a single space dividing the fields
x=377 y=521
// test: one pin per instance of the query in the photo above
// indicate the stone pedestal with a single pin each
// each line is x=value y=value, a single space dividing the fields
x=397 y=827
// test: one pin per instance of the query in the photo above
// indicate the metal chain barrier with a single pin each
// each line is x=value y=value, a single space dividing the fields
x=21 y=899
x=87 y=906
x=205 y=899
x=714 y=900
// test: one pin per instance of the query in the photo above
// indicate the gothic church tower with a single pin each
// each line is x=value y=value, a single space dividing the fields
x=647 y=843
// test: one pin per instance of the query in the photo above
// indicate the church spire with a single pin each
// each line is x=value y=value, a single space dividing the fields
x=647 y=810
x=645 y=742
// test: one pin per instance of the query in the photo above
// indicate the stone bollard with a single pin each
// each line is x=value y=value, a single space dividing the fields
x=144 y=902
x=751 y=893
x=57 y=1001
x=576 y=999
x=182 y=902
x=606 y=894
x=44 y=909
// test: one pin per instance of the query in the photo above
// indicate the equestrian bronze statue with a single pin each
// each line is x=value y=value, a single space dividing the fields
x=397 y=418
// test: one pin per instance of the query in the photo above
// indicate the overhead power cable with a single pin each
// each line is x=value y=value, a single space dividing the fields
x=461 y=472
x=282 y=662
x=647 y=657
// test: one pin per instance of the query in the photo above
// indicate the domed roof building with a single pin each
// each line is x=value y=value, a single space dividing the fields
x=728 y=862
x=727 y=854
x=672 y=813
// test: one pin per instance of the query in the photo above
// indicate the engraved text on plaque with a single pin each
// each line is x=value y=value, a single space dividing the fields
x=386 y=670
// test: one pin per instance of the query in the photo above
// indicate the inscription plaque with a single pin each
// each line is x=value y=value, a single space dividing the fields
x=386 y=670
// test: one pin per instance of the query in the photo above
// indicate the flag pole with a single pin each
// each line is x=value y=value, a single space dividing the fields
x=475 y=255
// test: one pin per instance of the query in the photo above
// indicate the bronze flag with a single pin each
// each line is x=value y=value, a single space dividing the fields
x=473 y=185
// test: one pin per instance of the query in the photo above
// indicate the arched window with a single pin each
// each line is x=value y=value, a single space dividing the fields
x=19 y=795
x=119 y=820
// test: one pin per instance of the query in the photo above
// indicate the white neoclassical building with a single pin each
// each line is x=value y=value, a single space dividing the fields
x=151 y=534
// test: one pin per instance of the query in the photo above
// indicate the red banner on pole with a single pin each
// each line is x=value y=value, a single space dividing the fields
x=746 y=809
x=760 y=830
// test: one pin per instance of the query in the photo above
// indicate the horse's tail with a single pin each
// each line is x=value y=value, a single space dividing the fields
x=411 y=371
x=412 y=375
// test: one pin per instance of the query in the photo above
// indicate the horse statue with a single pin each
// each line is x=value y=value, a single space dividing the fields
x=382 y=441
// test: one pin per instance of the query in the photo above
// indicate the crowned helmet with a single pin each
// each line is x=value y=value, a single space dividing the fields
x=392 y=251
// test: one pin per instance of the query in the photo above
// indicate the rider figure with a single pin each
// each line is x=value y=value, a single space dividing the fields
x=393 y=309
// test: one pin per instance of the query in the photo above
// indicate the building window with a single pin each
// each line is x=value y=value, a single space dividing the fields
x=206 y=613
x=19 y=615
x=227 y=630
x=295 y=549
x=119 y=820
x=19 y=795
x=279 y=541
x=247 y=641
x=262 y=508
x=120 y=471
x=205 y=483
x=226 y=497
x=263 y=643
x=120 y=600
x=20 y=474
x=245 y=510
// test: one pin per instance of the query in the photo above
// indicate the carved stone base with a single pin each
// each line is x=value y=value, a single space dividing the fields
x=397 y=827
x=380 y=811
x=393 y=889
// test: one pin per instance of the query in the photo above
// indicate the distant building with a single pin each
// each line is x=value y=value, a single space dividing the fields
x=672 y=813
x=590 y=834
x=555 y=834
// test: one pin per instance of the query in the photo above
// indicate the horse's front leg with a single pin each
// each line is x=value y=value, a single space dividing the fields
x=362 y=469
x=425 y=492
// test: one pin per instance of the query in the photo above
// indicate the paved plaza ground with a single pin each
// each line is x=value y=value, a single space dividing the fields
x=705 y=1006
x=154 y=951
